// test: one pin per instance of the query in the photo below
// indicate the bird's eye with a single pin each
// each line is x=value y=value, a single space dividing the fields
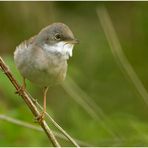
x=47 y=38
x=57 y=36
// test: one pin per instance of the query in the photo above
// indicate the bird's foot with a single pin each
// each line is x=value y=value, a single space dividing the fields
x=35 y=101
x=41 y=117
x=20 y=90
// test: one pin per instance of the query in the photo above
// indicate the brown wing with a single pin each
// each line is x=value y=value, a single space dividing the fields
x=26 y=43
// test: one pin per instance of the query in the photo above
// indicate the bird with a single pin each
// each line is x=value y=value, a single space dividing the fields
x=42 y=59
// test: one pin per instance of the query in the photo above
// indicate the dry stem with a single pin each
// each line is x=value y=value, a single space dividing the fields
x=29 y=103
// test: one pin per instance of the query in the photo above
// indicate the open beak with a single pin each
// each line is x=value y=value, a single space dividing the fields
x=73 y=41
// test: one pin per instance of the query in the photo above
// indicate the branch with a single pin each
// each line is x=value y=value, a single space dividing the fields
x=29 y=103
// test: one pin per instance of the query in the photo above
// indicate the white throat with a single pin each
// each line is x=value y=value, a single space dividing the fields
x=63 y=48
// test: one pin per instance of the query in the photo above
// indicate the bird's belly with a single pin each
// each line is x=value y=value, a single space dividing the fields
x=45 y=77
x=41 y=68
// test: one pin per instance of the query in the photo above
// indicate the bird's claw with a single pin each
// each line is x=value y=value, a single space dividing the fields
x=35 y=101
x=20 y=90
x=40 y=118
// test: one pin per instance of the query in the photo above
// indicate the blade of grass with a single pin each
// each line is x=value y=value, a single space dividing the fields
x=118 y=53
x=37 y=128
x=88 y=105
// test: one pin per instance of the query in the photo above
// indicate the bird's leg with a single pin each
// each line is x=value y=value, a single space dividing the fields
x=22 y=88
x=45 y=96
x=41 y=117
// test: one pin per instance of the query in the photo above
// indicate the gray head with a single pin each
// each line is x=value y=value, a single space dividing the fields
x=55 y=33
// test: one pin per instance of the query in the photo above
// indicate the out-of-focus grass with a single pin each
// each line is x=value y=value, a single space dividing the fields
x=92 y=68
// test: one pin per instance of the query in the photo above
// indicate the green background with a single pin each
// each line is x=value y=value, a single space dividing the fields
x=97 y=103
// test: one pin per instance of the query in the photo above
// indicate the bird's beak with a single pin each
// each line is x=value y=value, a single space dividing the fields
x=73 y=41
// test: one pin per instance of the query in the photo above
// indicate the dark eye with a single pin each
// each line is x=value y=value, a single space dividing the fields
x=47 y=38
x=57 y=36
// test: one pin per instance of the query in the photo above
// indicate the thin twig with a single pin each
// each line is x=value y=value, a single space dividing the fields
x=118 y=53
x=29 y=103
x=56 y=124
x=37 y=128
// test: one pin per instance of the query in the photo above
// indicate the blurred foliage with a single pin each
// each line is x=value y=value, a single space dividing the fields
x=122 y=120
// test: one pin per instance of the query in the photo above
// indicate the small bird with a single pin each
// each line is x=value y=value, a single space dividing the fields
x=43 y=58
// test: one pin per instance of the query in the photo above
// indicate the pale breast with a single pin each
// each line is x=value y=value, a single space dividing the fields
x=38 y=66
